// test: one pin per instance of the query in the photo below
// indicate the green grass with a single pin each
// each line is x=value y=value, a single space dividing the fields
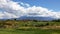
x=31 y=31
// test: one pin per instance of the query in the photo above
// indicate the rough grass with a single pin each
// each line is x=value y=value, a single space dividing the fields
x=29 y=27
x=29 y=31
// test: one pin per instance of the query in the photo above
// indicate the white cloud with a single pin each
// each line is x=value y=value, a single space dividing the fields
x=40 y=11
x=11 y=9
x=27 y=5
x=24 y=4
x=4 y=15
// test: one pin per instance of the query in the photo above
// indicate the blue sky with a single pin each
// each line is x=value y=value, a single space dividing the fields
x=50 y=4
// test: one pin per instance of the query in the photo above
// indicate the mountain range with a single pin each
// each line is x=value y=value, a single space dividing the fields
x=32 y=18
x=35 y=18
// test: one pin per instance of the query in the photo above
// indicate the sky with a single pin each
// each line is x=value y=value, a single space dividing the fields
x=50 y=4
x=36 y=8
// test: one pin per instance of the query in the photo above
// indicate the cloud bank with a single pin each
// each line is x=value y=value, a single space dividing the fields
x=11 y=9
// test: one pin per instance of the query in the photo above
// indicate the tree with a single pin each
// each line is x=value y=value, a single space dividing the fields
x=58 y=20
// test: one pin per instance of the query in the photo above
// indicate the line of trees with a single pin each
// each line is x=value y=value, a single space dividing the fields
x=58 y=20
x=15 y=23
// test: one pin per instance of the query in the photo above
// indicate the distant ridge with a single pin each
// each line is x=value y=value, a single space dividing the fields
x=32 y=18
x=35 y=18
